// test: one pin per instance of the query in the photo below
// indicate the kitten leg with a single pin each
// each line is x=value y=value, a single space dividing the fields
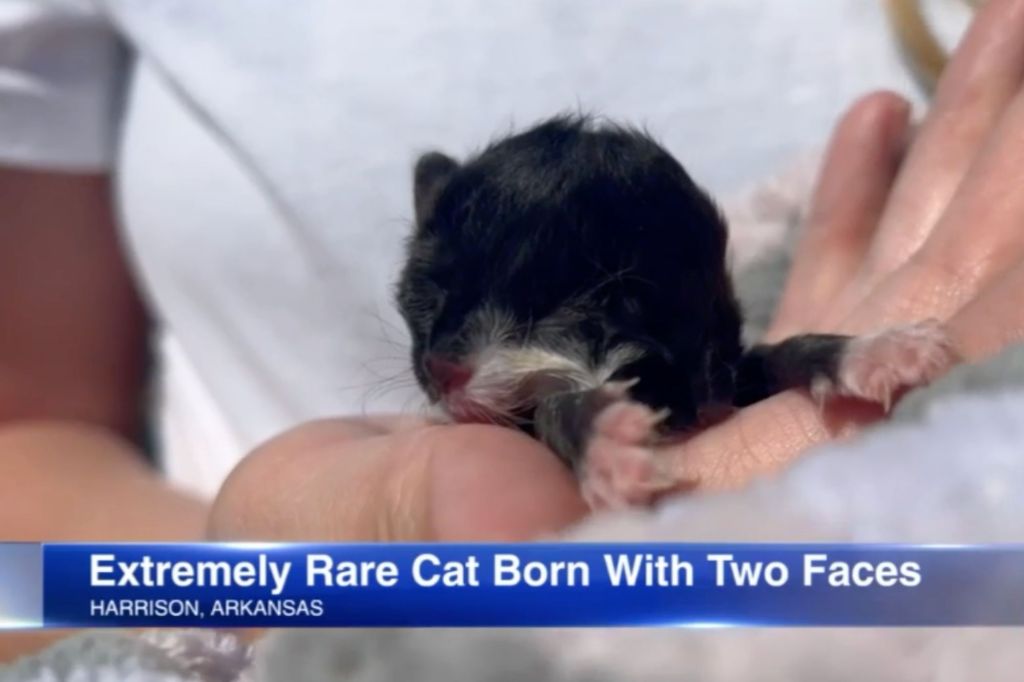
x=607 y=439
x=876 y=367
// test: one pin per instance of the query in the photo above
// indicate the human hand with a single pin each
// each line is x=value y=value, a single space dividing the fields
x=896 y=234
x=400 y=479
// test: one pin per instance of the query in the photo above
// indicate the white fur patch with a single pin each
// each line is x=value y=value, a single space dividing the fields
x=509 y=377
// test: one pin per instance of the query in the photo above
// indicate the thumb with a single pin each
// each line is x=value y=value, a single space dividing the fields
x=492 y=483
x=337 y=479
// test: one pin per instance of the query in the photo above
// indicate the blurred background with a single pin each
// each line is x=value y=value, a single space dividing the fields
x=775 y=75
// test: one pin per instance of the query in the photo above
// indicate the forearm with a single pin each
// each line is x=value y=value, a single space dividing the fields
x=74 y=340
x=72 y=481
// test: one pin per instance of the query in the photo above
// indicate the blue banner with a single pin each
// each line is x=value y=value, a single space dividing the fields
x=313 y=585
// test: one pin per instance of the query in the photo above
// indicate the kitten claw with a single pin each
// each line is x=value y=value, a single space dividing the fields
x=619 y=467
x=620 y=389
x=661 y=415
x=879 y=367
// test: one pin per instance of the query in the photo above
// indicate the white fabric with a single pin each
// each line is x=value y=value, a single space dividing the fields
x=60 y=70
x=266 y=147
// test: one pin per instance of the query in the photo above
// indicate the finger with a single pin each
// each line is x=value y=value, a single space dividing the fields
x=332 y=480
x=980 y=235
x=322 y=480
x=762 y=439
x=977 y=239
x=373 y=425
x=859 y=168
x=993 y=320
x=511 y=489
x=984 y=74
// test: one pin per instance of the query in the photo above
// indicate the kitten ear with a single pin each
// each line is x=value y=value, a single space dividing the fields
x=432 y=172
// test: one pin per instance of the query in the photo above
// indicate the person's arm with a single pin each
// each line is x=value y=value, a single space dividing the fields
x=72 y=373
x=73 y=339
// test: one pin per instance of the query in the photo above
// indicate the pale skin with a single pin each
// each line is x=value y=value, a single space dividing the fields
x=903 y=227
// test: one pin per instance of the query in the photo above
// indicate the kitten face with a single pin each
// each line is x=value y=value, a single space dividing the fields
x=488 y=347
x=561 y=258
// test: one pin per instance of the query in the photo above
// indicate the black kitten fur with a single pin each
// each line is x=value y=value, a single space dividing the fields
x=595 y=229
x=590 y=242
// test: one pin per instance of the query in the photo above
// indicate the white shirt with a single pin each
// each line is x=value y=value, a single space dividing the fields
x=263 y=153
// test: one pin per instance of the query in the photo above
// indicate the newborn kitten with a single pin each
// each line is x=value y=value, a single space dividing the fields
x=571 y=281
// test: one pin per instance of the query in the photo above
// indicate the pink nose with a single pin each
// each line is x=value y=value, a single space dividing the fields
x=447 y=375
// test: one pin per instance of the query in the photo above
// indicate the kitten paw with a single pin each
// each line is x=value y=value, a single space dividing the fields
x=620 y=467
x=880 y=367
